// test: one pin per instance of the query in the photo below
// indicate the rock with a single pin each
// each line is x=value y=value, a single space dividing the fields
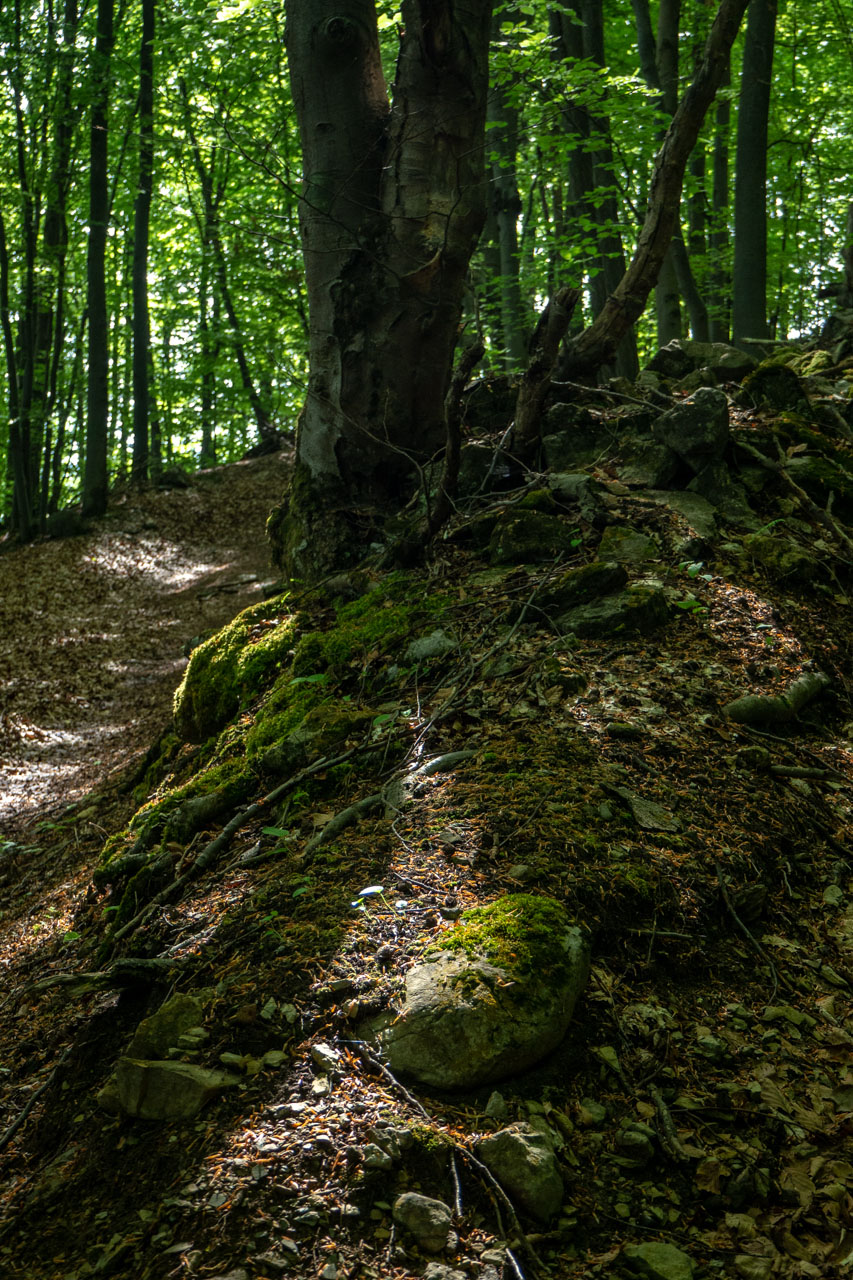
x=635 y=1146
x=435 y=645
x=627 y=546
x=483 y=469
x=159 y=1033
x=376 y=1158
x=697 y=511
x=578 y=446
x=646 y=463
x=715 y=484
x=577 y=489
x=496 y=1108
x=780 y=558
x=639 y=610
x=493 y=997
x=325 y=1058
x=580 y=585
x=428 y=1221
x=525 y=537
x=591 y=1114
x=659 y=1261
x=167 y=1090
x=438 y=1271
x=523 y=1161
x=671 y=361
x=773 y=385
x=698 y=429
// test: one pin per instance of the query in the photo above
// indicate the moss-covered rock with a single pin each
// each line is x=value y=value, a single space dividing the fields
x=627 y=546
x=780 y=558
x=529 y=537
x=774 y=385
x=639 y=610
x=230 y=666
x=581 y=584
x=493 y=996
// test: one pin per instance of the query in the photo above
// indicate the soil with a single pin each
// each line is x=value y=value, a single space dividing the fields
x=703 y=1097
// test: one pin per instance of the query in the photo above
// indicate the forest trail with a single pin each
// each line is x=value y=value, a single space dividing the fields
x=94 y=629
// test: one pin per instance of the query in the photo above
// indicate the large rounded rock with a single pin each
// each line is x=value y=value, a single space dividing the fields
x=494 y=996
x=523 y=1161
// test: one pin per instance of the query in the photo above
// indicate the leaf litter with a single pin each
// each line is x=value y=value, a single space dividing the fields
x=704 y=1096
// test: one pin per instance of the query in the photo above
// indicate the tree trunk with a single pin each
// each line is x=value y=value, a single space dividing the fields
x=719 y=289
x=97 y=387
x=392 y=205
x=141 y=225
x=595 y=345
x=506 y=206
x=749 y=283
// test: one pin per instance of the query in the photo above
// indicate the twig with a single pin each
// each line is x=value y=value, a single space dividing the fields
x=457 y=1190
x=7 y=1137
x=221 y=841
x=821 y=517
x=669 y=1133
x=777 y=981
x=481 y=1169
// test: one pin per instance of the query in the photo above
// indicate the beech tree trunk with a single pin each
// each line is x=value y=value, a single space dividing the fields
x=97 y=384
x=141 y=227
x=392 y=205
x=749 y=283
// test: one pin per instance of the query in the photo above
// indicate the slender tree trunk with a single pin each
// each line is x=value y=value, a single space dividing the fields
x=141 y=226
x=749 y=284
x=97 y=385
x=506 y=206
x=667 y=292
x=594 y=346
x=718 y=234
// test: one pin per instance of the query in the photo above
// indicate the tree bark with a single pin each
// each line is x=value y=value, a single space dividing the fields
x=392 y=206
x=749 y=283
x=97 y=387
x=141 y=226
x=506 y=207
x=595 y=345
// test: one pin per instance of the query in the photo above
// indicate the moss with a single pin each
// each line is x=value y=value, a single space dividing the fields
x=282 y=712
x=516 y=933
x=537 y=500
x=230 y=666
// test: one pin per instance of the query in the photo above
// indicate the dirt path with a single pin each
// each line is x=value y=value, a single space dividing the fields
x=93 y=629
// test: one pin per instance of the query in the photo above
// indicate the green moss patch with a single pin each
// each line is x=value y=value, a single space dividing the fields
x=516 y=933
x=233 y=666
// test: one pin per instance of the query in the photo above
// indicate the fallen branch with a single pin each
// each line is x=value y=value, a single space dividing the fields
x=753 y=942
x=817 y=514
x=216 y=846
x=755 y=709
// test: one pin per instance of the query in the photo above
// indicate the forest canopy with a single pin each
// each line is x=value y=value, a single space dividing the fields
x=152 y=292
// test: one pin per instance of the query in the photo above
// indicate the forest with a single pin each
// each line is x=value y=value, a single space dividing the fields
x=426 y=587
x=152 y=295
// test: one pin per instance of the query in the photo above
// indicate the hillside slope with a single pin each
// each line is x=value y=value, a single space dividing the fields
x=572 y=663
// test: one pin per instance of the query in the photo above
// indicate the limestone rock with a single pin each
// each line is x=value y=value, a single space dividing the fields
x=526 y=537
x=427 y=1220
x=577 y=490
x=715 y=484
x=435 y=645
x=698 y=429
x=627 y=546
x=637 y=611
x=659 y=1261
x=159 y=1033
x=773 y=386
x=580 y=585
x=523 y=1161
x=493 y=998
x=697 y=511
x=167 y=1090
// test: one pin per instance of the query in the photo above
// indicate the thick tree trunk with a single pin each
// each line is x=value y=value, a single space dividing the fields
x=97 y=386
x=595 y=345
x=392 y=205
x=749 y=283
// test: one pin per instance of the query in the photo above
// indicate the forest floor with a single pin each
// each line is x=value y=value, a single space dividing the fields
x=703 y=1098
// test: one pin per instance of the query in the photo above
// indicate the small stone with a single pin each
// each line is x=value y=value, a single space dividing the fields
x=376 y=1158
x=496 y=1107
x=659 y=1261
x=523 y=1161
x=325 y=1057
x=427 y=1220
